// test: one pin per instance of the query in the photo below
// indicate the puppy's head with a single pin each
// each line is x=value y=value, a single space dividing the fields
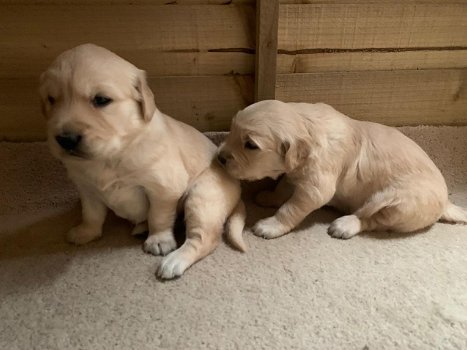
x=95 y=102
x=266 y=139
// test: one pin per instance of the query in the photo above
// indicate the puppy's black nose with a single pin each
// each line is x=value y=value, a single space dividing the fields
x=68 y=141
x=221 y=159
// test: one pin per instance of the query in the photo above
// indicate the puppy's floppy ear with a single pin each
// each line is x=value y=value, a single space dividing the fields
x=295 y=152
x=146 y=97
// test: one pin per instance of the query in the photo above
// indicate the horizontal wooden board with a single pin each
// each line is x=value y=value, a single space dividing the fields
x=409 y=97
x=196 y=63
x=17 y=63
x=127 y=2
x=372 y=25
x=32 y=36
x=304 y=2
x=207 y=103
x=367 y=60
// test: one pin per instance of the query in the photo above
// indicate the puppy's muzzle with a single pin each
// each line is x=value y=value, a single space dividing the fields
x=68 y=141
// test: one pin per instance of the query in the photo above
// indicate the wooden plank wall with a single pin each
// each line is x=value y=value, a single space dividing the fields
x=199 y=55
x=395 y=62
x=399 y=62
x=267 y=19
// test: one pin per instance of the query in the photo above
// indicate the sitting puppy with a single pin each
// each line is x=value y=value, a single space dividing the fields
x=373 y=172
x=124 y=154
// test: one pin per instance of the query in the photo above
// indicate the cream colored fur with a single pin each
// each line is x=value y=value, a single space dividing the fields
x=380 y=178
x=137 y=161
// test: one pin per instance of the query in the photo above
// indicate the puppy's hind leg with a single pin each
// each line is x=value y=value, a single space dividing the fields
x=397 y=210
x=200 y=242
x=363 y=219
x=202 y=237
x=346 y=227
x=140 y=228
x=207 y=206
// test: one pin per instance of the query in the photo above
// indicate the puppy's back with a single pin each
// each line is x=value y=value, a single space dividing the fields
x=196 y=150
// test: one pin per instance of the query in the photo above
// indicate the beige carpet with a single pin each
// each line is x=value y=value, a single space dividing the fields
x=302 y=291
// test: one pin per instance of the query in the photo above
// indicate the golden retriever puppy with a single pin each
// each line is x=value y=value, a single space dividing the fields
x=372 y=172
x=124 y=154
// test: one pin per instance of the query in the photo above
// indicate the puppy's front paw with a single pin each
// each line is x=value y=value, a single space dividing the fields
x=269 y=228
x=160 y=243
x=172 y=266
x=345 y=227
x=82 y=234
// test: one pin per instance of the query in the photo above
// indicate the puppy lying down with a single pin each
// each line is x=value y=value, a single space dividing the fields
x=372 y=172
x=124 y=154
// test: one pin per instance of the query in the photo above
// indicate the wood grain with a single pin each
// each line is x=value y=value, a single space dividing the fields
x=32 y=36
x=267 y=18
x=405 y=97
x=372 y=25
x=367 y=60
x=305 y=2
x=127 y=2
x=400 y=62
x=18 y=63
x=206 y=102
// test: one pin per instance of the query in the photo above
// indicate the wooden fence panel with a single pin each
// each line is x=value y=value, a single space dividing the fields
x=407 y=97
x=376 y=25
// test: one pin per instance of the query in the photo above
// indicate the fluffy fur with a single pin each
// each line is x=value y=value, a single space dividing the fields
x=375 y=174
x=135 y=160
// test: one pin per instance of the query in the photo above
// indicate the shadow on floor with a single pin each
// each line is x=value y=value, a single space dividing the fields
x=43 y=233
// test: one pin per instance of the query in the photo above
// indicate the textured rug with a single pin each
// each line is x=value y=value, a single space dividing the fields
x=302 y=291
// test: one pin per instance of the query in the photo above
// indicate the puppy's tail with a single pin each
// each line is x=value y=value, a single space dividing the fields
x=454 y=214
x=234 y=227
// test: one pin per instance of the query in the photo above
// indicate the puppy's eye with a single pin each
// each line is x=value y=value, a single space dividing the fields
x=251 y=145
x=51 y=99
x=101 y=101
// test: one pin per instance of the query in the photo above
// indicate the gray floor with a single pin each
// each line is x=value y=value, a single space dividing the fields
x=302 y=291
